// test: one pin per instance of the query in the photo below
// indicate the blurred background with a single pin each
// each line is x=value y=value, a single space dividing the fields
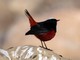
x=14 y=24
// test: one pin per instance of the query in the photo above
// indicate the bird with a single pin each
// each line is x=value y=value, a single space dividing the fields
x=44 y=30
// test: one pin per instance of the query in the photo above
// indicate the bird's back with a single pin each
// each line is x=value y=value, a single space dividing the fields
x=48 y=25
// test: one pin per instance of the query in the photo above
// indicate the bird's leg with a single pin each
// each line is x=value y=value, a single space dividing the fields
x=46 y=47
x=42 y=44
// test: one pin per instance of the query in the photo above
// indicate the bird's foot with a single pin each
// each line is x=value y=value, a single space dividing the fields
x=46 y=48
x=60 y=55
x=41 y=46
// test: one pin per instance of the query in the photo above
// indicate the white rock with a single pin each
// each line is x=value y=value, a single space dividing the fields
x=29 y=53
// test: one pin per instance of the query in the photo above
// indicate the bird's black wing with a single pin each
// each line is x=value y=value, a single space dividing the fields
x=45 y=25
x=37 y=30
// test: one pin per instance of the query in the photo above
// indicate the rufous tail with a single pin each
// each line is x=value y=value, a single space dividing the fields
x=31 y=20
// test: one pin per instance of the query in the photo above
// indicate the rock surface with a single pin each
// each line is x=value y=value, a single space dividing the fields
x=29 y=53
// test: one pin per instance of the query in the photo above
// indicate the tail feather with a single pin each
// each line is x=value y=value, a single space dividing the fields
x=28 y=14
x=31 y=20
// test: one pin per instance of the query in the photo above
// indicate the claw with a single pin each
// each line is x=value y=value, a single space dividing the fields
x=45 y=48
x=48 y=49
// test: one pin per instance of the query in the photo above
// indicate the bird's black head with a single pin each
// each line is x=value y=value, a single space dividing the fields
x=52 y=20
x=51 y=24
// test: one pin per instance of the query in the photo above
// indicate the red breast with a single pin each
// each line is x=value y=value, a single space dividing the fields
x=46 y=36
